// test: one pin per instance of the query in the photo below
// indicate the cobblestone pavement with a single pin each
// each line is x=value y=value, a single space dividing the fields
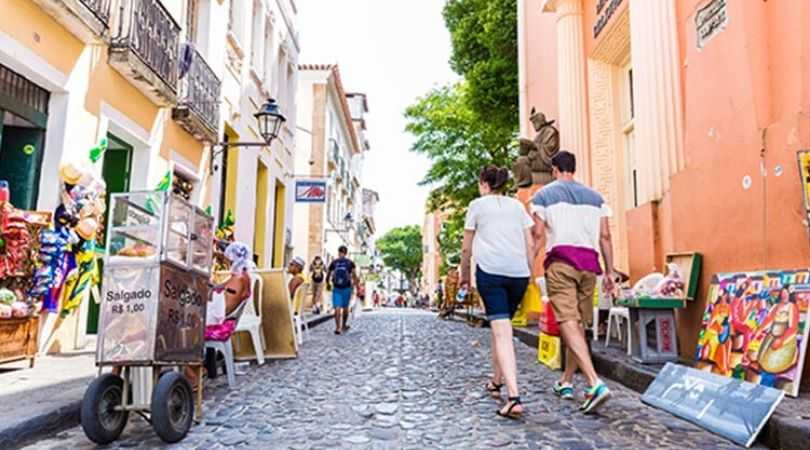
x=402 y=380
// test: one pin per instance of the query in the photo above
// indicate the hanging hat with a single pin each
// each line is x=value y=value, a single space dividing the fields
x=70 y=174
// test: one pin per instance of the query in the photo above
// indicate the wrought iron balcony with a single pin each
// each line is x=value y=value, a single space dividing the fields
x=89 y=20
x=145 y=48
x=198 y=109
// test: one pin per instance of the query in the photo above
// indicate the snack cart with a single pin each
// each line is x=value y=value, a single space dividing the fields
x=157 y=269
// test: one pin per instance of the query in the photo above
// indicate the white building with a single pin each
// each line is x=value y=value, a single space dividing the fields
x=260 y=59
x=331 y=143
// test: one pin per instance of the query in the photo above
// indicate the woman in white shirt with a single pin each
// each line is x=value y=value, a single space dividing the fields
x=497 y=231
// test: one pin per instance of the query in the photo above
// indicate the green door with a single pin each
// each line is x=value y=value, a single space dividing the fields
x=116 y=172
x=21 y=159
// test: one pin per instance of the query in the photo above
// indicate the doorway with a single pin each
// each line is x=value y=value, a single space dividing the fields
x=116 y=171
x=260 y=220
x=278 y=227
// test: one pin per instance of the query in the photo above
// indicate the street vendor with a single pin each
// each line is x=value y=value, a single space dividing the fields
x=228 y=296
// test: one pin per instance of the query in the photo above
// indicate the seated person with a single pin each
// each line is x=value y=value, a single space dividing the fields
x=296 y=269
x=226 y=298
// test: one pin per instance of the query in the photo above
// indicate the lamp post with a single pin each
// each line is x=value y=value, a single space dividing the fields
x=269 y=118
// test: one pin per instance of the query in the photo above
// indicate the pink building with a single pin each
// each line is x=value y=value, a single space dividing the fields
x=687 y=116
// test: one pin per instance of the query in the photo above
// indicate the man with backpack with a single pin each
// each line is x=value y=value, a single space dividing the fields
x=339 y=278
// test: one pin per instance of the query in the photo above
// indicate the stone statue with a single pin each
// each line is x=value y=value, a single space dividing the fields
x=533 y=165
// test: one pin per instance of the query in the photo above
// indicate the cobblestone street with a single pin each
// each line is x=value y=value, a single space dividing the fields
x=404 y=380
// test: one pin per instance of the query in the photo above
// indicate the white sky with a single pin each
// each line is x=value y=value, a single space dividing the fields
x=393 y=51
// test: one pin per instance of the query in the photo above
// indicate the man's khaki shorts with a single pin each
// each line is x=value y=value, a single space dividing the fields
x=571 y=292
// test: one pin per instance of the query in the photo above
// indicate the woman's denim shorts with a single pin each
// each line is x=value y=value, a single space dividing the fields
x=501 y=295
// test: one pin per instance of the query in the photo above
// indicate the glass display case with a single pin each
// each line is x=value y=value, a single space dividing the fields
x=156 y=280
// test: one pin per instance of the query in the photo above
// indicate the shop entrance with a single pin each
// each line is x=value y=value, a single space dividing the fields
x=23 y=118
x=278 y=227
x=116 y=173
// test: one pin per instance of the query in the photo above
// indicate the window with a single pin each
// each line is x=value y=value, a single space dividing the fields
x=629 y=137
x=257 y=39
x=269 y=47
x=236 y=19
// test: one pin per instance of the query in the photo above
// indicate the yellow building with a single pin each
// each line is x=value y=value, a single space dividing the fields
x=162 y=81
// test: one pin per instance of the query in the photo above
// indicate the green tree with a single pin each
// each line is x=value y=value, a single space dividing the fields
x=484 y=41
x=401 y=249
x=467 y=125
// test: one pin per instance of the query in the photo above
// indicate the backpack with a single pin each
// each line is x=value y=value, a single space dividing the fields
x=341 y=277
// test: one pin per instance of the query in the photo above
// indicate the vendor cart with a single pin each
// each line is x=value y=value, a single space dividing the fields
x=157 y=269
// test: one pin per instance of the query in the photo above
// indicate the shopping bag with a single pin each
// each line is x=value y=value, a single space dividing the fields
x=530 y=306
x=549 y=351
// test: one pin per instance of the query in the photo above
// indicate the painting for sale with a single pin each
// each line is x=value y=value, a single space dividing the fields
x=755 y=327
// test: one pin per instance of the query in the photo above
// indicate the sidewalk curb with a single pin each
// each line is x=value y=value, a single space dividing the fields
x=781 y=432
x=28 y=430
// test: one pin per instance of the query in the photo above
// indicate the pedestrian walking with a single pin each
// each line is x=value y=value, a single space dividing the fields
x=317 y=274
x=497 y=230
x=339 y=278
x=575 y=219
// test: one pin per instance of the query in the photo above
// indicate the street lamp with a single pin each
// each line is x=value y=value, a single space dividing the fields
x=270 y=120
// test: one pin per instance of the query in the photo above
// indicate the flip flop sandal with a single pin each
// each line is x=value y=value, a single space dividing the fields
x=509 y=414
x=494 y=389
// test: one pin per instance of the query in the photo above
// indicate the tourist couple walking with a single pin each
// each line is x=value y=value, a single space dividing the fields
x=499 y=232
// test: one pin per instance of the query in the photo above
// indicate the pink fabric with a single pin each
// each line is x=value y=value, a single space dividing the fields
x=220 y=332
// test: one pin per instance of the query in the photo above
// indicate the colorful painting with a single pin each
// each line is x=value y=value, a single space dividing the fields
x=755 y=327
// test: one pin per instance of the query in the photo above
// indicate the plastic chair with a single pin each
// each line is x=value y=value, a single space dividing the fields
x=226 y=347
x=251 y=321
x=299 y=301
x=617 y=315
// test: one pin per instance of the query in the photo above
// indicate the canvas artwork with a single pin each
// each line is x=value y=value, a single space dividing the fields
x=755 y=327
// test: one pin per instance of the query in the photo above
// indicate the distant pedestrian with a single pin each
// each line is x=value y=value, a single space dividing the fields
x=375 y=297
x=498 y=230
x=317 y=274
x=575 y=219
x=340 y=278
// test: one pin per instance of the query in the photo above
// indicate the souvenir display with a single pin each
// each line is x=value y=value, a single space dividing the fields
x=755 y=327
x=67 y=264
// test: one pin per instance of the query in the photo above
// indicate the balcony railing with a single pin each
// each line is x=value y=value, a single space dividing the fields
x=101 y=9
x=148 y=32
x=89 y=20
x=198 y=108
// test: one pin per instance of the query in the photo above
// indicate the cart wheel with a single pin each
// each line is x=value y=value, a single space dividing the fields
x=172 y=407
x=101 y=422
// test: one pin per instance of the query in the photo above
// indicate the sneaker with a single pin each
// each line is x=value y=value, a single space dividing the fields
x=595 y=397
x=565 y=391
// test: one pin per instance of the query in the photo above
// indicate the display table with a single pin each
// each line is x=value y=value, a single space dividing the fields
x=654 y=328
x=18 y=339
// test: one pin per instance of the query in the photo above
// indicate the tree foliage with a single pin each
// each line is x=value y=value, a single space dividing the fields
x=401 y=249
x=464 y=126
x=485 y=52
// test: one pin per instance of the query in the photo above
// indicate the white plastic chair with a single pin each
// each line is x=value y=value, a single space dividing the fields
x=251 y=321
x=617 y=315
x=226 y=348
x=299 y=301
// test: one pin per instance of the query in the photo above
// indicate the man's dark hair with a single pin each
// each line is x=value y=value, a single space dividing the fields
x=564 y=161
x=343 y=250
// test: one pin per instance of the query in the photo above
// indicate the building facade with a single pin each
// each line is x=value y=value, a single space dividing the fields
x=331 y=143
x=687 y=116
x=162 y=82
x=258 y=47
x=431 y=256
